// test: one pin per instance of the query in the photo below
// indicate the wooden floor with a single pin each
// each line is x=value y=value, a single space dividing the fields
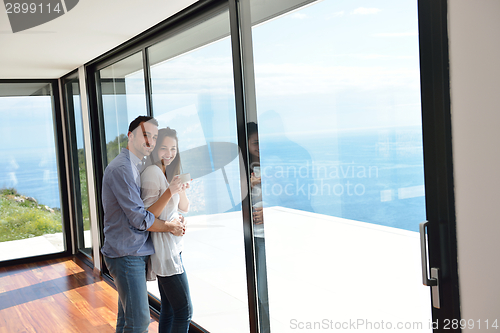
x=57 y=296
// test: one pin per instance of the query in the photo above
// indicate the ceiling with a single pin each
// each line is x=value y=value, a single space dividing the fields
x=90 y=29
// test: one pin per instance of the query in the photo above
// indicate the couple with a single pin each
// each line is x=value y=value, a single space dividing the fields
x=135 y=204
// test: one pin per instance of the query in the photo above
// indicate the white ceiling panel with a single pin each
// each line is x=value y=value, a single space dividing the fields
x=89 y=30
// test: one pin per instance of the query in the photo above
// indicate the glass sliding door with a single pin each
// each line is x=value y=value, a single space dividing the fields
x=341 y=165
x=193 y=93
x=335 y=155
x=81 y=197
x=123 y=98
x=30 y=203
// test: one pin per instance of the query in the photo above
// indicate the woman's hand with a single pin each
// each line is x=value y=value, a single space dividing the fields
x=183 y=221
x=176 y=185
x=183 y=200
x=185 y=186
x=177 y=228
x=258 y=215
x=254 y=180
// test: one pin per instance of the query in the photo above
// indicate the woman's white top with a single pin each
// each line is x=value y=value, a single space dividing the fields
x=166 y=260
x=256 y=193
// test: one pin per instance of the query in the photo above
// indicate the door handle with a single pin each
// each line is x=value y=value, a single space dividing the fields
x=433 y=281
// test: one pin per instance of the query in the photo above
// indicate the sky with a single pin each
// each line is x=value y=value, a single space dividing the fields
x=328 y=67
x=333 y=65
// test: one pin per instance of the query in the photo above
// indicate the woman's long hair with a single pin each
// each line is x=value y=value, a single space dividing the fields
x=252 y=129
x=174 y=168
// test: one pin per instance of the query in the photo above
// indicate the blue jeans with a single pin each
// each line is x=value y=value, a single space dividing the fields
x=176 y=308
x=129 y=273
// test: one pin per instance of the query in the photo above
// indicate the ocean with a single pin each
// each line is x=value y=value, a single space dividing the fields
x=373 y=176
x=37 y=179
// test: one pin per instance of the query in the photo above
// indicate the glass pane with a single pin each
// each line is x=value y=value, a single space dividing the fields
x=341 y=162
x=123 y=99
x=82 y=207
x=193 y=93
x=30 y=208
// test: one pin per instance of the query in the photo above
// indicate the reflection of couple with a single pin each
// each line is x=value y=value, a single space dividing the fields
x=255 y=178
x=274 y=187
x=258 y=226
x=286 y=167
x=128 y=219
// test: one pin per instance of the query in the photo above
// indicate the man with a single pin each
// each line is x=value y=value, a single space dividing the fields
x=127 y=223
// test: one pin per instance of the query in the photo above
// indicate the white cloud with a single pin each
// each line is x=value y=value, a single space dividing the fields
x=302 y=79
x=380 y=56
x=194 y=75
x=336 y=14
x=299 y=16
x=365 y=11
x=397 y=34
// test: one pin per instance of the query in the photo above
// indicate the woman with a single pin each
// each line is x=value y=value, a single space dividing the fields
x=160 y=175
x=258 y=228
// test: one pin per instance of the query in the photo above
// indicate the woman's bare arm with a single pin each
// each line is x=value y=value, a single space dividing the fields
x=183 y=200
x=174 y=187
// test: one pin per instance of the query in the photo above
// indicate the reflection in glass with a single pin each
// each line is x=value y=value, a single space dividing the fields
x=73 y=103
x=258 y=226
x=30 y=208
x=123 y=99
x=192 y=91
x=338 y=96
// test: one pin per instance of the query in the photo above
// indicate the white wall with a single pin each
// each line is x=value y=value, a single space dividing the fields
x=474 y=40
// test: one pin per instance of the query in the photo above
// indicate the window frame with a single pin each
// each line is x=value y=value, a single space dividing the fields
x=74 y=177
x=61 y=156
x=181 y=21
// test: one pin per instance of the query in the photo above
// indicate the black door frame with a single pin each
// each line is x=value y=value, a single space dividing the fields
x=438 y=160
x=436 y=124
x=64 y=196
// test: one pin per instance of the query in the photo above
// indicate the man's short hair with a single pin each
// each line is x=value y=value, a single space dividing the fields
x=141 y=119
